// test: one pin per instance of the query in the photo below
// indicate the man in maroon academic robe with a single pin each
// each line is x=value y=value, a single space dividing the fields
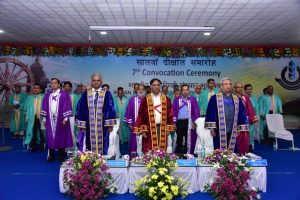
x=155 y=119
x=244 y=137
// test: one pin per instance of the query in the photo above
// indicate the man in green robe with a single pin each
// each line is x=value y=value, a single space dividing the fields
x=74 y=100
x=206 y=94
x=121 y=102
x=248 y=92
x=17 y=117
x=269 y=104
x=262 y=122
x=35 y=136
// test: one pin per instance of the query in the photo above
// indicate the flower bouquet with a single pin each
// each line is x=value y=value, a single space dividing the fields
x=160 y=184
x=87 y=177
x=232 y=176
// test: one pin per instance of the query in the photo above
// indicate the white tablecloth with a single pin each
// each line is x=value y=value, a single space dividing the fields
x=198 y=177
x=120 y=176
x=258 y=177
x=189 y=174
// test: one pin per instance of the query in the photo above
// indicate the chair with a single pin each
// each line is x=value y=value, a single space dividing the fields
x=276 y=129
x=114 y=145
x=204 y=137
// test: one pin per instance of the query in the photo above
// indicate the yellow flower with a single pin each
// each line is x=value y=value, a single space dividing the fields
x=174 y=190
x=82 y=158
x=165 y=198
x=175 y=166
x=161 y=172
x=171 y=178
x=96 y=163
x=154 y=197
x=164 y=189
x=148 y=165
x=137 y=183
x=154 y=176
x=151 y=191
x=180 y=180
x=160 y=184
x=169 y=196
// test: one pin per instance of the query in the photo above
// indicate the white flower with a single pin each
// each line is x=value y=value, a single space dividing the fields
x=241 y=164
x=112 y=189
x=247 y=169
x=258 y=196
x=216 y=165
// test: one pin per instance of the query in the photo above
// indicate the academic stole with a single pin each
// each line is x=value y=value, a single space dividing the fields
x=222 y=122
x=17 y=112
x=96 y=121
x=37 y=105
x=163 y=125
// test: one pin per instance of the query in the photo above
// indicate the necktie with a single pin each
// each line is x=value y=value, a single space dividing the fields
x=96 y=98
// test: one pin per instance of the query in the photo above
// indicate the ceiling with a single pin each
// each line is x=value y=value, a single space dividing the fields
x=236 y=22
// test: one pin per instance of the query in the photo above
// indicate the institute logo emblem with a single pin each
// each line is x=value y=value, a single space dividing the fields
x=290 y=77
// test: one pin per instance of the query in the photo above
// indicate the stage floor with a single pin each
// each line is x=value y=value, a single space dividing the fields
x=25 y=175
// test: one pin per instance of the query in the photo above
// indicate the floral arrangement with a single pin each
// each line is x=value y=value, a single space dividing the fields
x=160 y=184
x=144 y=159
x=232 y=176
x=87 y=176
x=162 y=51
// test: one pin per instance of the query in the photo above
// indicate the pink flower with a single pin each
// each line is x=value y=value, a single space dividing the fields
x=245 y=175
x=231 y=167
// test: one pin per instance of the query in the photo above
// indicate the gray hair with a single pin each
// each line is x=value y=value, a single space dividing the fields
x=236 y=83
x=224 y=79
x=96 y=74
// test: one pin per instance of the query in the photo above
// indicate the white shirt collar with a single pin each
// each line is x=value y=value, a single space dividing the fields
x=98 y=90
x=155 y=95
x=57 y=92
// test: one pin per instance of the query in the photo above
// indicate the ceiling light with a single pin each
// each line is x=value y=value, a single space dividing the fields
x=103 y=32
x=207 y=33
x=152 y=28
x=1 y=31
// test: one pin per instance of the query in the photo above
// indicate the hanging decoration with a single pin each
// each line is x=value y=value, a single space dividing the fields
x=162 y=51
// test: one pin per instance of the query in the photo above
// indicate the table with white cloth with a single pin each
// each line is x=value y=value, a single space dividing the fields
x=119 y=175
x=258 y=179
x=197 y=177
x=189 y=175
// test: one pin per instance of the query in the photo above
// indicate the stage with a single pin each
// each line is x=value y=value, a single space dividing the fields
x=26 y=175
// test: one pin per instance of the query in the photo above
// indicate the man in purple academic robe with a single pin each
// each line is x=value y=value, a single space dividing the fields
x=186 y=112
x=56 y=110
x=226 y=117
x=95 y=117
x=131 y=116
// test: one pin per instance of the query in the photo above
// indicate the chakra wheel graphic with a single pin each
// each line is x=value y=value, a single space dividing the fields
x=13 y=72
